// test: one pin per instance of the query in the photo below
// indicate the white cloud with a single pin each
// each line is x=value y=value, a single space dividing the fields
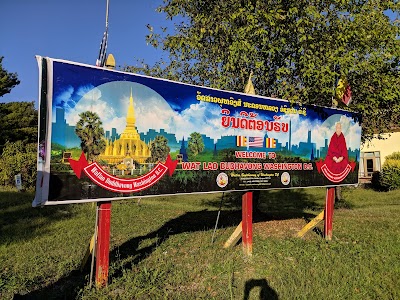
x=152 y=113
x=92 y=101
x=65 y=96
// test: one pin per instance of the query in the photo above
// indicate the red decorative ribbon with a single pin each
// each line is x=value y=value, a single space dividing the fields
x=334 y=177
x=100 y=177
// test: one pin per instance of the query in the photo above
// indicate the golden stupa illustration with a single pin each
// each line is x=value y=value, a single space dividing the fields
x=128 y=145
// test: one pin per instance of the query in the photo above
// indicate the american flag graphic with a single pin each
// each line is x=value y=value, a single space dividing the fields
x=255 y=142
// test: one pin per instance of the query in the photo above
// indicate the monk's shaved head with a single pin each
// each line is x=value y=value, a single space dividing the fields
x=338 y=128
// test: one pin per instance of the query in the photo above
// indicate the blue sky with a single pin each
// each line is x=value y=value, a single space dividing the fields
x=72 y=30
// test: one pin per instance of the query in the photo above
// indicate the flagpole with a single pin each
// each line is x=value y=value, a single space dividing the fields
x=100 y=62
x=104 y=208
x=335 y=81
x=108 y=2
x=331 y=191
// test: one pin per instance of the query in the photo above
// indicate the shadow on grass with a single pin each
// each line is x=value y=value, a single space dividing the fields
x=20 y=221
x=266 y=292
x=65 y=288
x=129 y=254
x=205 y=220
x=277 y=204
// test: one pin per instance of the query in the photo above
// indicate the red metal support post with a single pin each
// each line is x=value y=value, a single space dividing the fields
x=103 y=244
x=328 y=218
x=247 y=223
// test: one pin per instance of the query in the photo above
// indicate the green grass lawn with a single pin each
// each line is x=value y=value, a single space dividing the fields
x=162 y=248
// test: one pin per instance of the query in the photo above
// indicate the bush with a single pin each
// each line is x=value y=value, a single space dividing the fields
x=394 y=155
x=18 y=157
x=389 y=178
x=60 y=167
x=376 y=181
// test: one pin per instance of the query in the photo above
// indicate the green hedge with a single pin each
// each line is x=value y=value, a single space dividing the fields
x=394 y=155
x=18 y=157
x=389 y=178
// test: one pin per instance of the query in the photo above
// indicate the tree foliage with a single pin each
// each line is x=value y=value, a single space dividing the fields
x=18 y=157
x=159 y=149
x=91 y=133
x=296 y=50
x=195 y=143
x=7 y=80
x=18 y=122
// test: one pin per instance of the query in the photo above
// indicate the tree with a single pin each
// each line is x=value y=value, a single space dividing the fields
x=18 y=157
x=159 y=149
x=7 y=80
x=18 y=142
x=195 y=143
x=296 y=50
x=89 y=129
x=18 y=122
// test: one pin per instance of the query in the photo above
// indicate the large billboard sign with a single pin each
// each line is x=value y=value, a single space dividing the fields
x=107 y=135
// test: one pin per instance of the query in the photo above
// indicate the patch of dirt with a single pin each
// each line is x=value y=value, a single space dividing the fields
x=279 y=228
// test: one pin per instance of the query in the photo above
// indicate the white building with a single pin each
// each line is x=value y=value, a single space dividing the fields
x=373 y=154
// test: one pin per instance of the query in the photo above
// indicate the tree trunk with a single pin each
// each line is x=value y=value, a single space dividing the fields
x=256 y=201
x=338 y=193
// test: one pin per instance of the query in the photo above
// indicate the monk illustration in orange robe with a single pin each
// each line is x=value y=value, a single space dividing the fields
x=337 y=158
